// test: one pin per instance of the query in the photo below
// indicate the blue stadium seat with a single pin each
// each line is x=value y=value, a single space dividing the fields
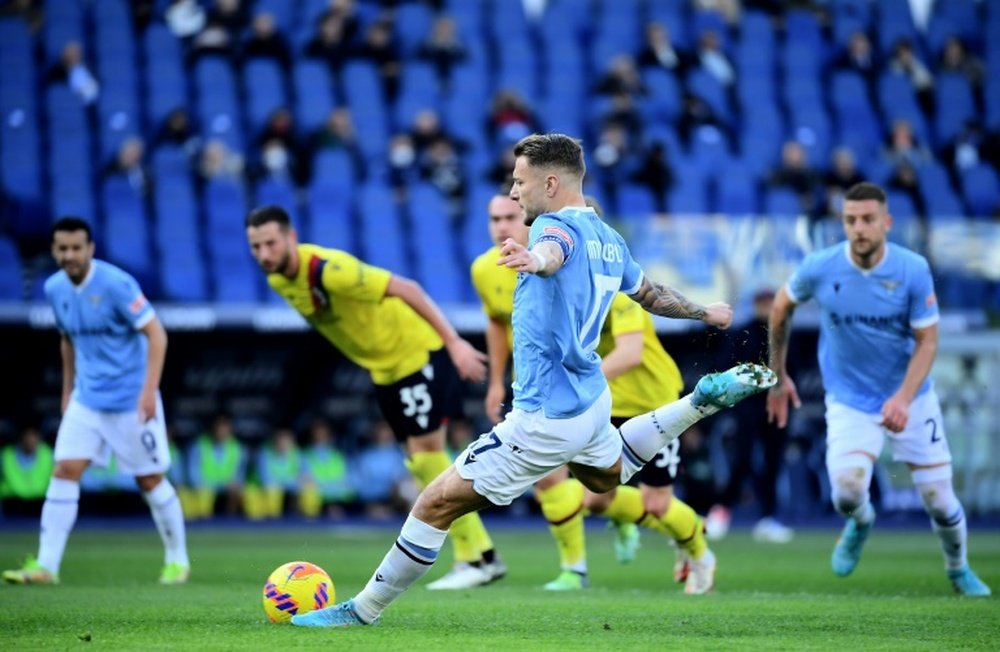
x=518 y=66
x=218 y=109
x=634 y=202
x=11 y=279
x=781 y=202
x=19 y=79
x=894 y=22
x=334 y=169
x=955 y=105
x=235 y=275
x=176 y=208
x=736 y=191
x=812 y=129
x=20 y=162
x=413 y=24
x=61 y=27
x=279 y=192
x=314 y=94
x=435 y=265
x=170 y=162
x=757 y=34
x=182 y=274
x=225 y=204
x=663 y=103
x=848 y=17
x=703 y=21
x=981 y=187
x=802 y=28
x=475 y=232
x=330 y=222
x=689 y=194
x=126 y=232
x=283 y=12
x=464 y=107
x=991 y=100
x=703 y=85
x=75 y=196
x=165 y=82
x=382 y=242
x=364 y=99
x=264 y=86
x=953 y=18
x=419 y=90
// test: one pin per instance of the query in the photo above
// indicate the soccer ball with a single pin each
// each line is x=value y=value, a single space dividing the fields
x=296 y=588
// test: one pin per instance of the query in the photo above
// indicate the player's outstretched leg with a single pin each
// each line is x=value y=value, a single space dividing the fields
x=966 y=582
x=644 y=435
x=339 y=615
x=847 y=552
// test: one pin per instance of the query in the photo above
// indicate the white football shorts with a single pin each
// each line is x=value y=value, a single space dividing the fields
x=526 y=446
x=922 y=442
x=139 y=448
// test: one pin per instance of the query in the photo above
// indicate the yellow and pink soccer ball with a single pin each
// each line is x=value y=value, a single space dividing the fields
x=296 y=588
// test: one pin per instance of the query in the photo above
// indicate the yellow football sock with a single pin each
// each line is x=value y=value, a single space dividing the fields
x=626 y=506
x=562 y=506
x=468 y=534
x=685 y=527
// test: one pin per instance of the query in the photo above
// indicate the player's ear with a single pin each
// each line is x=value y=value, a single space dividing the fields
x=551 y=185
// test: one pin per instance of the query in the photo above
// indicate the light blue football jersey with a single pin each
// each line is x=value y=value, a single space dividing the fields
x=102 y=316
x=557 y=320
x=867 y=320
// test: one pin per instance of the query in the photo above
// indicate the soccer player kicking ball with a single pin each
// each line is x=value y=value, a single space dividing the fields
x=113 y=348
x=878 y=339
x=641 y=375
x=562 y=406
x=388 y=325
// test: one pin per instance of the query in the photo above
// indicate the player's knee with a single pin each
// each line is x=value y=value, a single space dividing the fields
x=849 y=492
x=597 y=503
x=940 y=502
x=70 y=470
x=148 y=482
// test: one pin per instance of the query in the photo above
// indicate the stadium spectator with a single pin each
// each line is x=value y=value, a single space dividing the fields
x=659 y=51
x=25 y=469
x=499 y=172
x=956 y=58
x=969 y=147
x=280 y=472
x=697 y=115
x=72 y=71
x=403 y=166
x=904 y=62
x=655 y=172
x=217 y=469
x=185 y=18
x=218 y=161
x=843 y=174
x=621 y=78
x=281 y=153
x=30 y=11
x=338 y=133
x=328 y=486
x=903 y=146
x=614 y=157
x=231 y=15
x=510 y=118
x=266 y=41
x=713 y=60
x=214 y=40
x=380 y=47
x=380 y=474
x=876 y=379
x=443 y=47
x=441 y=165
x=795 y=173
x=177 y=131
x=129 y=164
x=859 y=57
x=428 y=130
x=332 y=42
x=904 y=179
x=754 y=431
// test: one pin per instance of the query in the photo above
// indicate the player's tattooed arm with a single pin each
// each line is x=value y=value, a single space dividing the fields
x=665 y=301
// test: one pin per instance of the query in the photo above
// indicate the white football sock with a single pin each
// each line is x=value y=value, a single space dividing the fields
x=643 y=436
x=165 y=507
x=850 y=478
x=413 y=554
x=62 y=501
x=945 y=510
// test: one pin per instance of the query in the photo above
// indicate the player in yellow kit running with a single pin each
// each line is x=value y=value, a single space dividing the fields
x=386 y=324
x=641 y=376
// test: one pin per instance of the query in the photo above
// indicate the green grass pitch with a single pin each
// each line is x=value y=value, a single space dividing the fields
x=767 y=596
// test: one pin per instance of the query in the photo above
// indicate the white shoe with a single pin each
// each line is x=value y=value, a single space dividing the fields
x=463 y=576
x=717 y=523
x=496 y=569
x=770 y=530
x=701 y=575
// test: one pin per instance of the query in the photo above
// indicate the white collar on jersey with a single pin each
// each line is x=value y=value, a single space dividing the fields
x=866 y=272
x=86 y=279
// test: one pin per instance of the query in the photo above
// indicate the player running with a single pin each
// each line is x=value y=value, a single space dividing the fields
x=878 y=339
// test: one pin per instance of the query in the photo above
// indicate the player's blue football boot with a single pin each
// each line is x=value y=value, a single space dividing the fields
x=968 y=583
x=725 y=389
x=847 y=552
x=339 y=615
x=627 y=541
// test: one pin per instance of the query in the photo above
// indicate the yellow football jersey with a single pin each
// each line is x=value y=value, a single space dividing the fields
x=654 y=382
x=495 y=286
x=344 y=299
